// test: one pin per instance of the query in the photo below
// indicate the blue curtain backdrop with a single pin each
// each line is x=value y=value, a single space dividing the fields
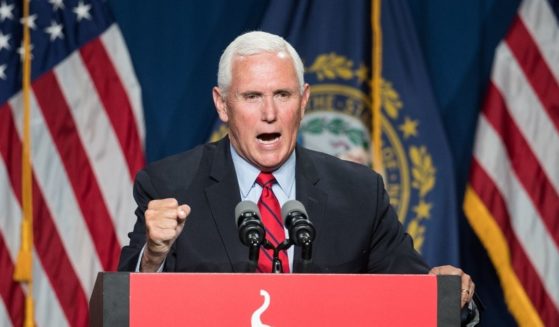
x=175 y=47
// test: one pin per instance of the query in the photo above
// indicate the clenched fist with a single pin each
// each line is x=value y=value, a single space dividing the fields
x=164 y=222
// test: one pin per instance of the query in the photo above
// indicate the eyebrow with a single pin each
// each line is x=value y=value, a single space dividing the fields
x=254 y=92
x=288 y=90
x=249 y=93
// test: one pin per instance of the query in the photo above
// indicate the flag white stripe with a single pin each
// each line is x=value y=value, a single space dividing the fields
x=527 y=111
x=532 y=234
x=100 y=142
x=59 y=196
x=544 y=28
x=4 y=317
x=10 y=227
x=118 y=53
x=47 y=306
x=10 y=212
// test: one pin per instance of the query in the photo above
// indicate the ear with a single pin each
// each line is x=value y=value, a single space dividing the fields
x=305 y=99
x=220 y=104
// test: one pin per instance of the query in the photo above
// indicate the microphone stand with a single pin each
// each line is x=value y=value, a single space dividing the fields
x=306 y=256
x=253 y=252
x=277 y=267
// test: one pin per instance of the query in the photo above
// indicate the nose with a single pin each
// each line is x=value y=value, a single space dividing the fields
x=269 y=109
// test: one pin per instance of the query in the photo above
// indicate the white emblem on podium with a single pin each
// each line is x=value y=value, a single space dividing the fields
x=255 y=320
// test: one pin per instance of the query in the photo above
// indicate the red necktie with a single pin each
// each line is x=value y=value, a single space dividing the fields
x=270 y=213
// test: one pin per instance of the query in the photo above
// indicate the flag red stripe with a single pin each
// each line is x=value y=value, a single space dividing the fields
x=10 y=291
x=11 y=146
x=488 y=192
x=48 y=244
x=116 y=102
x=80 y=173
x=535 y=68
x=483 y=185
x=525 y=164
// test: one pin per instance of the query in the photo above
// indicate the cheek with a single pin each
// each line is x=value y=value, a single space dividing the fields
x=296 y=118
x=242 y=123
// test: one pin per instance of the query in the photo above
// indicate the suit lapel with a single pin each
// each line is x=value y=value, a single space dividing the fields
x=311 y=196
x=222 y=196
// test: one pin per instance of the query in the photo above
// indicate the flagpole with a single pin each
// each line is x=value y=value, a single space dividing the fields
x=376 y=118
x=23 y=271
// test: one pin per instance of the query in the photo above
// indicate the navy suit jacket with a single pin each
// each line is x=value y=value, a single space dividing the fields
x=357 y=230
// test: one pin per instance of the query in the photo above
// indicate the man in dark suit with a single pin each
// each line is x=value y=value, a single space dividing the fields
x=185 y=214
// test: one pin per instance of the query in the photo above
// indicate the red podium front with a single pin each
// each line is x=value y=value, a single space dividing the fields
x=172 y=299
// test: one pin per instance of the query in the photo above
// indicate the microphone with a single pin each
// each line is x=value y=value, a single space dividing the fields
x=300 y=228
x=251 y=230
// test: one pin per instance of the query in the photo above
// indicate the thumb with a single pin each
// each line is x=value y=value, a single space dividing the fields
x=182 y=212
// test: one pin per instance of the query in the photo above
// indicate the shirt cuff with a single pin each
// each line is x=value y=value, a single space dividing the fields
x=140 y=261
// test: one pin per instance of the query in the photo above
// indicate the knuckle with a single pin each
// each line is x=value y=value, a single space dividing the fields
x=162 y=203
x=150 y=215
x=153 y=204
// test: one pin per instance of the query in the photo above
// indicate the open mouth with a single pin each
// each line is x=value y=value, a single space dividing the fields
x=267 y=138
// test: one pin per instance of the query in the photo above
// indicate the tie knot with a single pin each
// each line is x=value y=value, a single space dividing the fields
x=265 y=179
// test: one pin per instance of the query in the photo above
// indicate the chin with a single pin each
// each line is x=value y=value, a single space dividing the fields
x=269 y=165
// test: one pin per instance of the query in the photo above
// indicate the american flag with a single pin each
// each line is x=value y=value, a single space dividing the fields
x=87 y=136
x=512 y=200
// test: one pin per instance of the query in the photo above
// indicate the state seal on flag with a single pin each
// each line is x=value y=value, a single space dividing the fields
x=337 y=122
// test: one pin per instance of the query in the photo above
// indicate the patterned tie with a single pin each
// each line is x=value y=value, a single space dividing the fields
x=271 y=218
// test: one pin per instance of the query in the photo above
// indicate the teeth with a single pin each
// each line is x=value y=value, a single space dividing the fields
x=267 y=142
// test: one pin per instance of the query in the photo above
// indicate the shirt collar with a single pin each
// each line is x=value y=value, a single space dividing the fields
x=247 y=173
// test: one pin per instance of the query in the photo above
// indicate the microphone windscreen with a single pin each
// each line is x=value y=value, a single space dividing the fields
x=293 y=205
x=244 y=207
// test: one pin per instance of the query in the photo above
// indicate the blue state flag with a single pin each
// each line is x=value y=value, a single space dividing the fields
x=334 y=39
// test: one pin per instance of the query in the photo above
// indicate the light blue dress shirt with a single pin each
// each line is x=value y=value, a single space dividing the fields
x=284 y=188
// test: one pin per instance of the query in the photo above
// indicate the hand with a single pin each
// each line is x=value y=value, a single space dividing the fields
x=164 y=222
x=468 y=286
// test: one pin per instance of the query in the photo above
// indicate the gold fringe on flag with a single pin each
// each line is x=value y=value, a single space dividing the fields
x=376 y=118
x=492 y=237
x=23 y=271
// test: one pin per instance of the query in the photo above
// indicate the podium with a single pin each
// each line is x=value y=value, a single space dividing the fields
x=188 y=299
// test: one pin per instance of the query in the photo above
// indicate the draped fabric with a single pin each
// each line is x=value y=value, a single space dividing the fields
x=512 y=200
x=87 y=136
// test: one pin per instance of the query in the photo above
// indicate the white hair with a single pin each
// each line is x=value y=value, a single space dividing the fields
x=252 y=43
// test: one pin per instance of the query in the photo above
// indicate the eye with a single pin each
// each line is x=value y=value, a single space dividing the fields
x=282 y=95
x=252 y=97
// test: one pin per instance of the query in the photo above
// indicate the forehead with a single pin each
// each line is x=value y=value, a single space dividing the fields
x=264 y=70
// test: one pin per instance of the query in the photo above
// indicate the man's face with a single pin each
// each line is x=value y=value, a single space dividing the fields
x=263 y=108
